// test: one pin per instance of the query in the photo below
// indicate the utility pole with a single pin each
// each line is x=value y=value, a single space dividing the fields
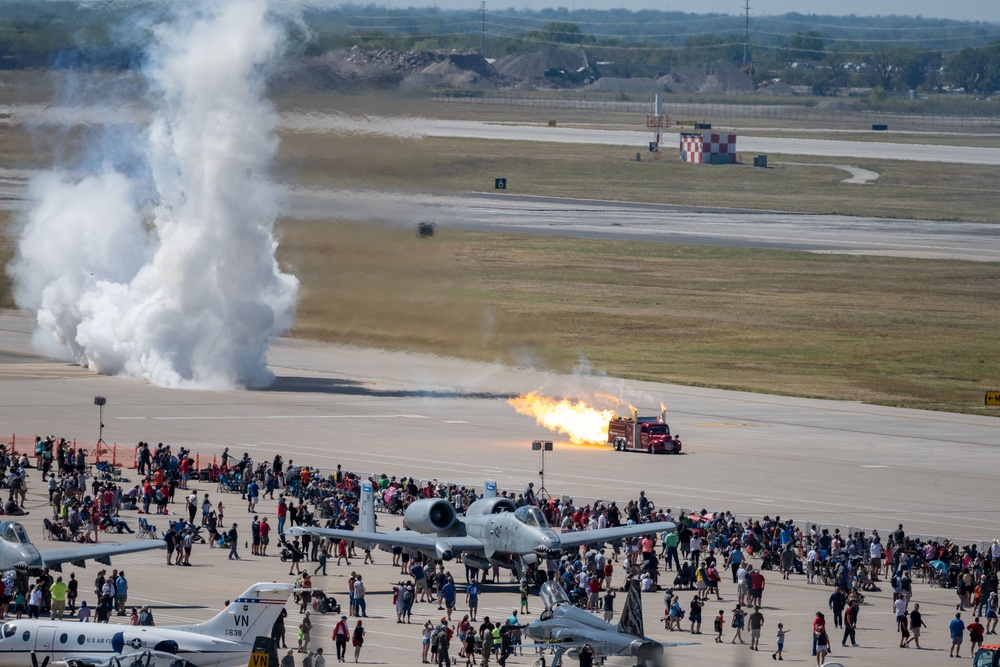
x=482 y=29
x=746 y=34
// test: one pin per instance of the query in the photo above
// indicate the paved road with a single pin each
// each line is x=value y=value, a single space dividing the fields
x=412 y=127
x=822 y=461
x=630 y=221
x=658 y=223
x=406 y=127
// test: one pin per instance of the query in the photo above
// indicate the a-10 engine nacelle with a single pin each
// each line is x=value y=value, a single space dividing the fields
x=431 y=515
x=497 y=505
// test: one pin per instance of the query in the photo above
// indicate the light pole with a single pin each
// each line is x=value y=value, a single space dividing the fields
x=542 y=446
x=101 y=401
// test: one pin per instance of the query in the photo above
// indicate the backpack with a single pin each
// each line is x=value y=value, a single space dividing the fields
x=407 y=596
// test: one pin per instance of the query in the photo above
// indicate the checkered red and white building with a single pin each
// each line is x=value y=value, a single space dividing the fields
x=708 y=148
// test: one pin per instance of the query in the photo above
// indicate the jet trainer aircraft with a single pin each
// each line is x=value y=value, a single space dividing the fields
x=493 y=532
x=18 y=553
x=224 y=641
x=565 y=627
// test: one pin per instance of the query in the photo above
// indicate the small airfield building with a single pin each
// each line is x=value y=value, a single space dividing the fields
x=708 y=148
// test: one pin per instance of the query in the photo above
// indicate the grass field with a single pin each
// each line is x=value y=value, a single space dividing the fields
x=891 y=331
x=904 y=189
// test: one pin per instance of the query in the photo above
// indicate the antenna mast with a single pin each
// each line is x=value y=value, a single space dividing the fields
x=746 y=34
x=482 y=29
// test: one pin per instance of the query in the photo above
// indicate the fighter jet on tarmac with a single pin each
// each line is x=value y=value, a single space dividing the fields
x=565 y=627
x=18 y=553
x=493 y=531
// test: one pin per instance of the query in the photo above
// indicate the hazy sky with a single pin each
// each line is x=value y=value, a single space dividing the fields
x=972 y=10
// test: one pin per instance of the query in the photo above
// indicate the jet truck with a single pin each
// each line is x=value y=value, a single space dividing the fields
x=643 y=434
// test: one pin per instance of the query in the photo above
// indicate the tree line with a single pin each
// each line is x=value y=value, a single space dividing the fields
x=826 y=53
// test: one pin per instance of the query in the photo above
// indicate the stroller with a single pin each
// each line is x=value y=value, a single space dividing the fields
x=324 y=604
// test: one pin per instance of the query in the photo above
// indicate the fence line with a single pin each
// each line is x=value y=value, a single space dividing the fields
x=712 y=110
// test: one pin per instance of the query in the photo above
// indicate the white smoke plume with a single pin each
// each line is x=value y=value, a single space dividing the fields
x=167 y=272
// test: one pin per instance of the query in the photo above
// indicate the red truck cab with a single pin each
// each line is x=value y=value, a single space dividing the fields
x=642 y=434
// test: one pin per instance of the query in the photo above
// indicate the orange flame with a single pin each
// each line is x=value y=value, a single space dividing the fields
x=582 y=423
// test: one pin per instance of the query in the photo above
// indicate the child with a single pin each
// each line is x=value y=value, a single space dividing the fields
x=780 y=636
x=19 y=604
x=720 y=623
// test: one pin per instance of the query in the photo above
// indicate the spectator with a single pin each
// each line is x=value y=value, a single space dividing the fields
x=957 y=630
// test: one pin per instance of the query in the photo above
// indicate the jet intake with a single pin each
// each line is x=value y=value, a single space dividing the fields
x=431 y=515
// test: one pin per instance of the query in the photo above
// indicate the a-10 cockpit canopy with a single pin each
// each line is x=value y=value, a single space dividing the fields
x=13 y=532
x=531 y=516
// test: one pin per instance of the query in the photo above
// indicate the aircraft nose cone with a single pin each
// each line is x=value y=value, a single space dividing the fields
x=549 y=547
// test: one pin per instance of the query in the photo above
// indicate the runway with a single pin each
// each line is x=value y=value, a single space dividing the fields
x=652 y=223
x=824 y=462
x=409 y=127
x=657 y=223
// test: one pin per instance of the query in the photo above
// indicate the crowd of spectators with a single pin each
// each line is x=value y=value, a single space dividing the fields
x=706 y=549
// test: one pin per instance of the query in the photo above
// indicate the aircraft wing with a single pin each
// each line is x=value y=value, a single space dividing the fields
x=610 y=534
x=102 y=553
x=400 y=538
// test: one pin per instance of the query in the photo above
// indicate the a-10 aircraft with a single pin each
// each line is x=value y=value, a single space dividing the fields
x=18 y=553
x=566 y=628
x=493 y=531
x=224 y=641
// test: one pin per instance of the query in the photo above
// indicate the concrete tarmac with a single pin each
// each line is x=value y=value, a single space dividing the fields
x=831 y=463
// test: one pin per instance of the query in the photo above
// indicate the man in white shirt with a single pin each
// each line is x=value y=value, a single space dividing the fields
x=875 y=551
x=811 y=559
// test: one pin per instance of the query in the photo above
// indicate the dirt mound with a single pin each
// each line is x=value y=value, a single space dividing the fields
x=546 y=66
x=779 y=88
x=385 y=68
x=448 y=74
x=834 y=105
x=717 y=77
x=621 y=85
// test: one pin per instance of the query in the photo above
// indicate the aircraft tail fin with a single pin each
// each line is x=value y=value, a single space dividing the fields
x=250 y=615
x=264 y=653
x=490 y=488
x=631 y=619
